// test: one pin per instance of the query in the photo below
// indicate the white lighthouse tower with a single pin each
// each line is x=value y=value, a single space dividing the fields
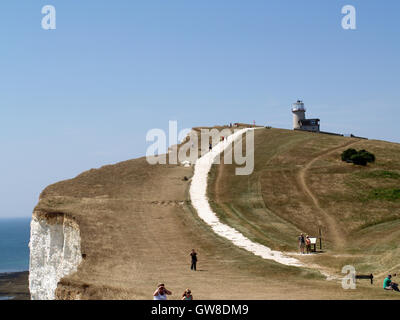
x=299 y=118
x=299 y=113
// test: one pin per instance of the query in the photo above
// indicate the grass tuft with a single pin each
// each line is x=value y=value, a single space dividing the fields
x=379 y=221
x=384 y=174
x=390 y=194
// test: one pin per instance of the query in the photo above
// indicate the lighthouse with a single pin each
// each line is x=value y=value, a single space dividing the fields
x=299 y=118
x=299 y=113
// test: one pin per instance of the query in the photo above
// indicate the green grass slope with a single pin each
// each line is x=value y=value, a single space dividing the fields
x=300 y=184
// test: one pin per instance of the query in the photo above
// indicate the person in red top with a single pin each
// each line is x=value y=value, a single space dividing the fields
x=308 y=244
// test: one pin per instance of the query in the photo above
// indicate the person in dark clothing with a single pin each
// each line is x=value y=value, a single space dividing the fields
x=193 y=254
x=302 y=243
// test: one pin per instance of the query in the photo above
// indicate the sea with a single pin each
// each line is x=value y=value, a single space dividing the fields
x=14 y=240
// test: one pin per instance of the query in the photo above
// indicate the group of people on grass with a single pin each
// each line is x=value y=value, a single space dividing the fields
x=162 y=292
x=304 y=243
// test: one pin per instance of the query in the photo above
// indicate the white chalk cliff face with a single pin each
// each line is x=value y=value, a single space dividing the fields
x=55 y=247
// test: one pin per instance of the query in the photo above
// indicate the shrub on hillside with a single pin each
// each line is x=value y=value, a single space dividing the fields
x=370 y=157
x=361 y=157
x=358 y=159
x=347 y=154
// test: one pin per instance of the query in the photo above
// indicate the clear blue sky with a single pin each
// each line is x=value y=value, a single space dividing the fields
x=85 y=95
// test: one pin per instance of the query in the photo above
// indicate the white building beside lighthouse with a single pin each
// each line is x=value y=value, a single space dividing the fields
x=299 y=118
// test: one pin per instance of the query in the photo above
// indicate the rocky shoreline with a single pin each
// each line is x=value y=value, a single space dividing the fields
x=14 y=286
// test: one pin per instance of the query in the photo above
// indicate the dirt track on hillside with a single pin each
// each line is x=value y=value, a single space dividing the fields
x=272 y=206
x=338 y=238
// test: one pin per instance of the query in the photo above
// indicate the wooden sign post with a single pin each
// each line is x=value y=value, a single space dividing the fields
x=320 y=239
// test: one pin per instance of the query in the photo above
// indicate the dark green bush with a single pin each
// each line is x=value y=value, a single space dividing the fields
x=361 y=157
x=370 y=157
x=358 y=159
x=346 y=155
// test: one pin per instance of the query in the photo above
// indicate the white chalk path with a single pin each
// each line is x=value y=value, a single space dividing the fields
x=198 y=195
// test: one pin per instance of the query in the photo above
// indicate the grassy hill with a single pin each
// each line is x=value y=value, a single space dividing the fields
x=137 y=224
x=300 y=184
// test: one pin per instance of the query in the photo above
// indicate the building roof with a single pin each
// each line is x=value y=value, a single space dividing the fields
x=309 y=122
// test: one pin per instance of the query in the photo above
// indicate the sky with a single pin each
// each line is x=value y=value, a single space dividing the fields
x=85 y=94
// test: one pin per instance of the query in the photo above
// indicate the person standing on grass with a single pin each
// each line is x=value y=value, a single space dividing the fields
x=161 y=292
x=193 y=255
x=308 y=244
x=302 y=243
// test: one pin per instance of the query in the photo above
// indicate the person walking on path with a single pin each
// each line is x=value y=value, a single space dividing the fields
x=302 y=243
x=161 y=292
x=187 y=295
x=193 y=255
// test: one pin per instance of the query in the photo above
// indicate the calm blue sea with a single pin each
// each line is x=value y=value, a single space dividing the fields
x=14 y=240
